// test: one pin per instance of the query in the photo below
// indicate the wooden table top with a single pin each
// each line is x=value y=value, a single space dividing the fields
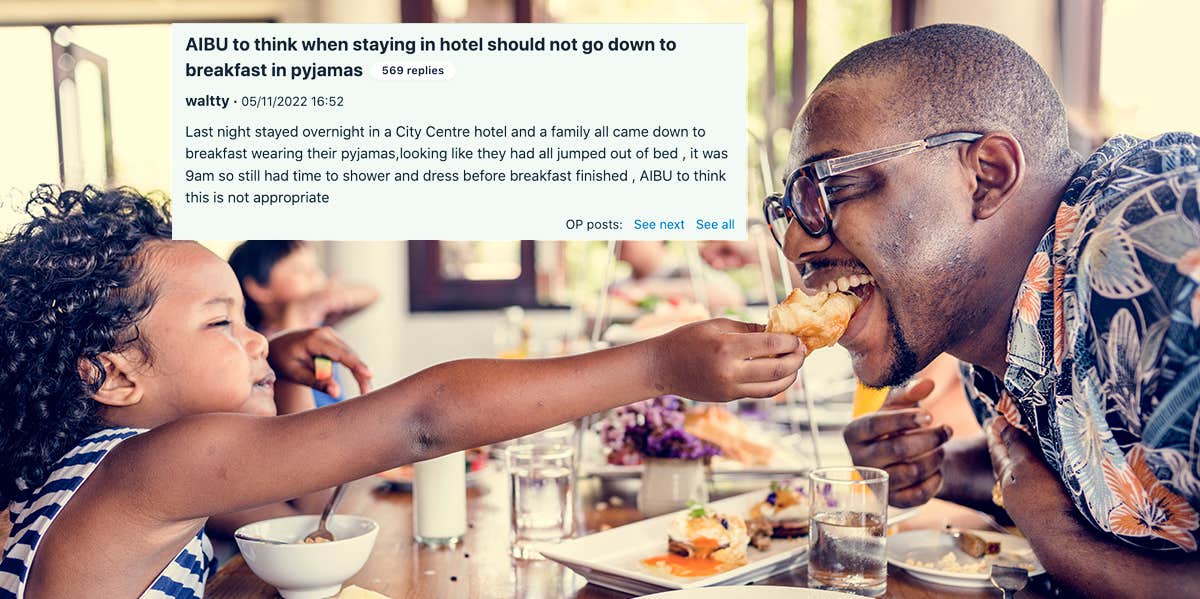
x=481 y=567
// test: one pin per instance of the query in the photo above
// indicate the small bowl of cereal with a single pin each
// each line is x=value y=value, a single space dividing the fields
x=275 y=551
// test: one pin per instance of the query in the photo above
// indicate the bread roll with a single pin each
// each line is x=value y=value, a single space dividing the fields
x=818 y=320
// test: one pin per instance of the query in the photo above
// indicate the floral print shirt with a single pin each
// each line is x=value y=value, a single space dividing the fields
x=1104 y=350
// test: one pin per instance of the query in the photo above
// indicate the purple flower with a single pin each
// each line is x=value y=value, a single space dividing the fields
x=652 y=428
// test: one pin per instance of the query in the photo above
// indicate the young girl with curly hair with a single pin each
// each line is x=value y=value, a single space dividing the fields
x=136 y=402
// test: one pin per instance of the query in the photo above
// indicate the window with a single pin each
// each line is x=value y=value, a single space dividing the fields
x=112 y=114
x=1136 y=68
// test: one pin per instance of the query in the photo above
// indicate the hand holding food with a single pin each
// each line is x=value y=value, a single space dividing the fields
x=819 y=320
x=305 y=357
x=721 y=360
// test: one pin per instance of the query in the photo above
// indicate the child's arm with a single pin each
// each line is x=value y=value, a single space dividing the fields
x=290 y=398
x=219 y=463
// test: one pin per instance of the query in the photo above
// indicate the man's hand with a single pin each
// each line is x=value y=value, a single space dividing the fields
x=291 y=354
x=1029 y=487
x=1073 y=553
x=722 y=360
x=898 y=439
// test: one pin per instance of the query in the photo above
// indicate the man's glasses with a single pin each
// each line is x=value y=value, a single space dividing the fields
x=805 y=198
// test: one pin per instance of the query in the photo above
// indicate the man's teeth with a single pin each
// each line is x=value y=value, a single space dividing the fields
x=847 y=283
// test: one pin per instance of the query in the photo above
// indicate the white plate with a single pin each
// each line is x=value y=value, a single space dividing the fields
x=750 y=592
x=931 y=545
x=612 y=558
x=897 y=515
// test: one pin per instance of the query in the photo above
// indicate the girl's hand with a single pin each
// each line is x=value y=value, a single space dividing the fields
x=291 y=354
x=722 y=360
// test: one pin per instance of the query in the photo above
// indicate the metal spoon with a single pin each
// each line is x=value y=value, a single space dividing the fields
x=245 y=537
x=322 y=534
x=1009 y=580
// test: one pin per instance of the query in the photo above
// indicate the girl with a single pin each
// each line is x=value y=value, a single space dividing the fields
x=134 y=395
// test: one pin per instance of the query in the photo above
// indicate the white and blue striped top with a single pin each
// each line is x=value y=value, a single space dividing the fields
x=33 y=510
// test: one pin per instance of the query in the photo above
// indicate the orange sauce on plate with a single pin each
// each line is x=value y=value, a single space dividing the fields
x=688 y=567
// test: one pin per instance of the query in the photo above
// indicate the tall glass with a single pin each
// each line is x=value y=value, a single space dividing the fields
x=848 y=541
x=440 y=500
x=542 y=490
x=867 y=399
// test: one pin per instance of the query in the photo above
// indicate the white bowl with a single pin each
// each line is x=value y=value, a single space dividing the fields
x=307 y=570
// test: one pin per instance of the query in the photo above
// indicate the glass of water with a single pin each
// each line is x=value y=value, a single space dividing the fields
x=848 y=538
x=542 y=489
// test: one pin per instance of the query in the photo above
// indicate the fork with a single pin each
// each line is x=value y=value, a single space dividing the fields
x=1009 y=579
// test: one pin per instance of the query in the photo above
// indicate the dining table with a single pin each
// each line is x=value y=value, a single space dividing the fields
x=481 y=566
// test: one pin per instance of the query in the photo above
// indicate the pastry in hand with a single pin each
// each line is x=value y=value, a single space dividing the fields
x=818 y=320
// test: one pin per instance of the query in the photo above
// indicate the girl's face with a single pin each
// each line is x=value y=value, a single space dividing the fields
x=204 y=357
x=297 y=276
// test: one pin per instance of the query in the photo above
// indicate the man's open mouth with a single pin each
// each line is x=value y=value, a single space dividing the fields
x=859 y=285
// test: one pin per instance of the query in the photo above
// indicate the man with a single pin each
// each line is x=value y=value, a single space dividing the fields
x=1067 y=288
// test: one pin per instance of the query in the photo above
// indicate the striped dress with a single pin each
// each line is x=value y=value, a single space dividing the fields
x=33 y=510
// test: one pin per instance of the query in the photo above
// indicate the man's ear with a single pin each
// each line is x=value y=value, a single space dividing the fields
x=120 y=388
x=257 y=293
x=999 y=167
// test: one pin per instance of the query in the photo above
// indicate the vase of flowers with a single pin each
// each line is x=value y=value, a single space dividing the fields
x=674 y=461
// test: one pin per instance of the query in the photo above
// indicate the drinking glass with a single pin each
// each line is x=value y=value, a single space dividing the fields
x=848 y=539
x=542 y=490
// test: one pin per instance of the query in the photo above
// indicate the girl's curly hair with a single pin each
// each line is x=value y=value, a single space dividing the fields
x=72 y=286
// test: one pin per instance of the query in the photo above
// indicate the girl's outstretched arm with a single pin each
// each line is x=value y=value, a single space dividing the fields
x=218 y=463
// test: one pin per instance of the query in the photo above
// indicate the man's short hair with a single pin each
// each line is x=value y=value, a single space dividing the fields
x=966 y=78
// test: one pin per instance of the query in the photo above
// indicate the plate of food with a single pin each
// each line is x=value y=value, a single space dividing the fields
x=959 y=558
x=727 y=542
x=400 y=479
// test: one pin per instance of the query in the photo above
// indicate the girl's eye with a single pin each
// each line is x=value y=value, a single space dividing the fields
x=220 y=323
